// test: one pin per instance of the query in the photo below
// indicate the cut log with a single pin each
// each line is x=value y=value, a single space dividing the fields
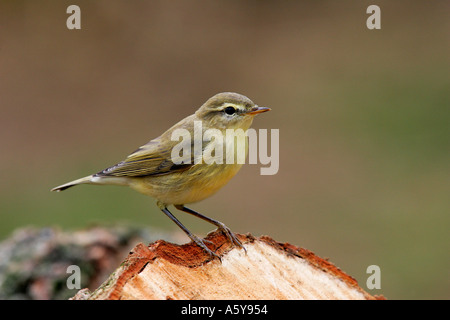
x=34 y=262
x=266 y=270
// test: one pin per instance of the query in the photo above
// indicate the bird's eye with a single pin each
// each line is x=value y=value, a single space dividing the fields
x=229 y=110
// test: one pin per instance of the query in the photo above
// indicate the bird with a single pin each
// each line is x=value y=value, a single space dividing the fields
x=154 y=170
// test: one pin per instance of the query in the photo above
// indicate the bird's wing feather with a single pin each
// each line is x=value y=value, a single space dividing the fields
x=150 y=159
x=153 y=158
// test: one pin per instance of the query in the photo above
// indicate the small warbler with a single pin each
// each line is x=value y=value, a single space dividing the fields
x=152 y=170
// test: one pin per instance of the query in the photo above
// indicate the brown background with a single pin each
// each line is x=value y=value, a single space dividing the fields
x=363 y=118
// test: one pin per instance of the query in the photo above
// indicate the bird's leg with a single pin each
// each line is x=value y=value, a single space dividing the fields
x=222 y=227
x=192 y=236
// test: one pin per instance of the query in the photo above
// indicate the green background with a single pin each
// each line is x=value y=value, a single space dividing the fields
x=363 y=116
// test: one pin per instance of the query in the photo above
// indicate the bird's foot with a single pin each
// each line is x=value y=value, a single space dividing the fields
x=230 y=235
x=201 y=244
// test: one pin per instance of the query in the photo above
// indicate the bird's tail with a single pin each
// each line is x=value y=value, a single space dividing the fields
x=62 y=187
x=94 y=179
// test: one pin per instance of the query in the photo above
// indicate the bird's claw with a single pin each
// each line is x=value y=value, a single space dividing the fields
x=231 y=236
x=201 y=244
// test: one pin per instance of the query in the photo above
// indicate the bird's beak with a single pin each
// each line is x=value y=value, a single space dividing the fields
x=256 y=110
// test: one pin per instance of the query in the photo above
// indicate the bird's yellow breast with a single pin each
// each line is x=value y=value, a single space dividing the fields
x=193 y=185
x=202 y=179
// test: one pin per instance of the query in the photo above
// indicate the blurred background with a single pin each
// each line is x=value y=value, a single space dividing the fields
x=363 y=115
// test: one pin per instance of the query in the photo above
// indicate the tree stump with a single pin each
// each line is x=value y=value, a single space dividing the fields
x=266 y=270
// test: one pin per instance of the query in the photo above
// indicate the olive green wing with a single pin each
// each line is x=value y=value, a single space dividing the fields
x=153 y=158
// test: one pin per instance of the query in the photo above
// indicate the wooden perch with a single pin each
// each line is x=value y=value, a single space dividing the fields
x=268 y=270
